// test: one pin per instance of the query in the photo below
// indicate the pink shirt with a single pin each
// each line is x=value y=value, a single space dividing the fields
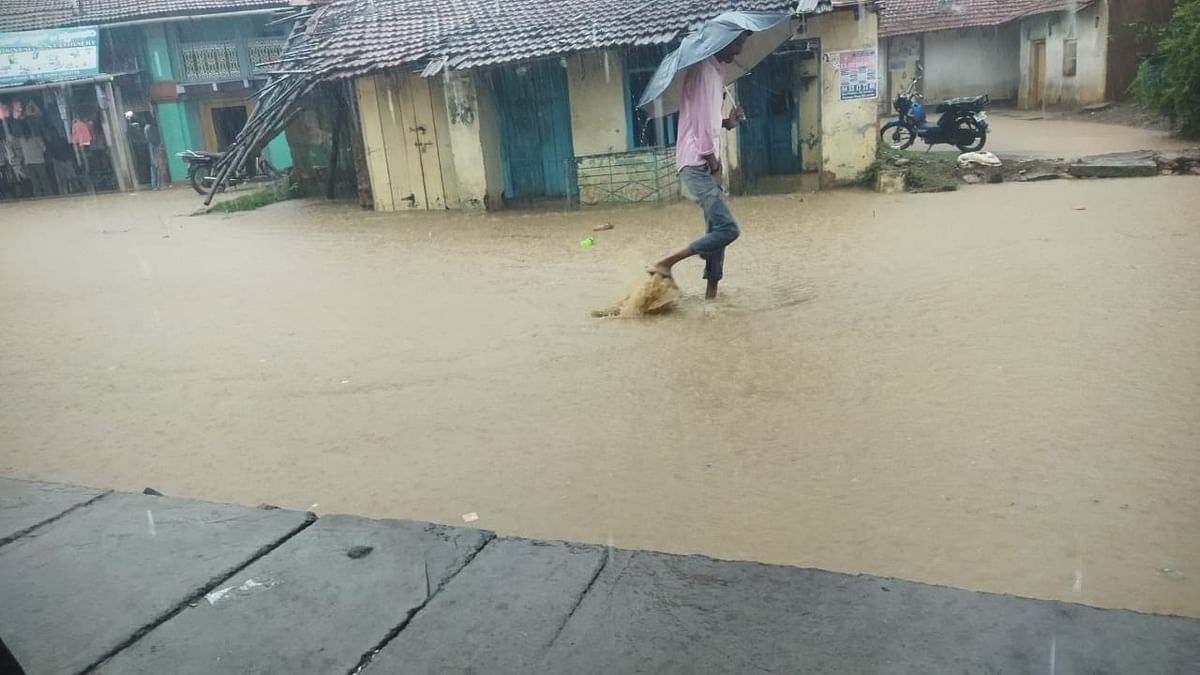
x=699 y=131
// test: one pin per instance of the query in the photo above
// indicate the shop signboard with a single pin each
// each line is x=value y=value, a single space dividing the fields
x=53 y=54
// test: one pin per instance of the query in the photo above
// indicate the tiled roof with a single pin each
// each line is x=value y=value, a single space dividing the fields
x=349 y=38
x=369 y=35
x=18 y=15
x=1034 y=7
x=903 y=17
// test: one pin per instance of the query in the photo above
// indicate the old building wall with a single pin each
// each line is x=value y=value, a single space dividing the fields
x=968 y=61
x=1088 y=29
x=849 y=126
x=595 y=84
x=474 y=139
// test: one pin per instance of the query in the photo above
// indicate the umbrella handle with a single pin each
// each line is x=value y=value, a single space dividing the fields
x=741 y=117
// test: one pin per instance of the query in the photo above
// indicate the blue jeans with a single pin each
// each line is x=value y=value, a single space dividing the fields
x=720 y=230
x=155 y=151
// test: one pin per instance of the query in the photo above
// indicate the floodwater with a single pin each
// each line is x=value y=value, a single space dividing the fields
x=991 y=389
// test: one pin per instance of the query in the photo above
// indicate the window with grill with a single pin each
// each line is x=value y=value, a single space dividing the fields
x=1069 y=57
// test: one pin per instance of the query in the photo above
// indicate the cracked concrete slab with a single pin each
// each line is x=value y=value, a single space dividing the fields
x=317 y=604
x=86 y=584
x=658 y=613
x=114 y=579
x=26 y=504
x=1115 y=165
x=499 y=614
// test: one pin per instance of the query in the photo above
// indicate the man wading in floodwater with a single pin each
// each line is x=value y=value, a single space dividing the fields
x=698 y=161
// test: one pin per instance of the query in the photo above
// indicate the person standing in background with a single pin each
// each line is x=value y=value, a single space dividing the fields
x=62 y=161
x=154 y=147
x=16 y=159
x=5 y=181
x=81 y=140
x=33 y=148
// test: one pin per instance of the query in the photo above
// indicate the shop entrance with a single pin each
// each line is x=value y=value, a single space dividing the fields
x=227 y=122
x=61 y=139
x=221 y=120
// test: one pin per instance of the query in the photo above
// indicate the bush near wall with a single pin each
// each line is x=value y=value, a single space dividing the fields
x=1170 y=82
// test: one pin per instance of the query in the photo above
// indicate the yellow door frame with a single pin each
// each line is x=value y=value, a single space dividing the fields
x=207 y=128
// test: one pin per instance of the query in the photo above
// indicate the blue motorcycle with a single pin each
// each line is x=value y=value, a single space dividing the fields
x=963 y=123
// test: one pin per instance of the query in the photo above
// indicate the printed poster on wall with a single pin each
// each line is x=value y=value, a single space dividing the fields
x=54 y=54
x=858 y=73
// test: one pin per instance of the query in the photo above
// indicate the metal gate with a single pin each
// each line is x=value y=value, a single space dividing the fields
x=645 y=176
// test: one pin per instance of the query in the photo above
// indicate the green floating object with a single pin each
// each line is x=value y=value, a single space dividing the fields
x=587 y=243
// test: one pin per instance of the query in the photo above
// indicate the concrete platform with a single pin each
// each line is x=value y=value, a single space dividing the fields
x=25 y=505
x=319 y=603
x=1116 y=165
x=667 y=614
x=133 y=584
x=501 y=614
x=86 y=585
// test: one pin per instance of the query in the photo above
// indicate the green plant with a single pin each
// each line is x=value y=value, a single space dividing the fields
x=869 y=176
x=939 y=174
x=1170 y=82
x=248 y=202
x=926 y=171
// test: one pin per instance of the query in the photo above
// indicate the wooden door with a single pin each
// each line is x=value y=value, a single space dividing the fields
x=1037 y=74
x=768 y=142
x=400 y=139
x=421 y=135
x=535 y=129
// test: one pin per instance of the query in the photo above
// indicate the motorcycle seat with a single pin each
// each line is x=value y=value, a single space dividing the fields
x=968 y=102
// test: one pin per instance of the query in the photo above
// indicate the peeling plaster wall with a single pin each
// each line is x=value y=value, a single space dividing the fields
x=809 y=105
x=848 y=128
x=474 y=139
x=597 y=96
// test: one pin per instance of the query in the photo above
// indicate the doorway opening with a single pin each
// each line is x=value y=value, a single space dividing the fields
x=779 y=141
x=1037 y=74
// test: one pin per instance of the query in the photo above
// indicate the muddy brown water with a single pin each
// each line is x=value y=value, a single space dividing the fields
x=989 y=389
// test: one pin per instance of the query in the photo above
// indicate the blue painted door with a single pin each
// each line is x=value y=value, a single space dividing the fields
x=535 y=129
x=768 y=143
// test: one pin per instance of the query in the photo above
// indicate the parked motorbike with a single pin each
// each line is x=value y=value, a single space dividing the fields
x=963 y=123
x=200 y=164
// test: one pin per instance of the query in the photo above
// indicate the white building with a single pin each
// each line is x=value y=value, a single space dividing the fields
x=1034 y=53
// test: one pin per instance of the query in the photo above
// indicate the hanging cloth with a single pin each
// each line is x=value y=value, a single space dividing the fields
x=81 y=133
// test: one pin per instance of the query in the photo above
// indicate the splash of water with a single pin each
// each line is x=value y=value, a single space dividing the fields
x=656 y=294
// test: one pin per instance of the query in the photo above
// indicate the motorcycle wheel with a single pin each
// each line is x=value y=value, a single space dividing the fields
x=968 y=135
x=897 y=135
x=197 y=173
